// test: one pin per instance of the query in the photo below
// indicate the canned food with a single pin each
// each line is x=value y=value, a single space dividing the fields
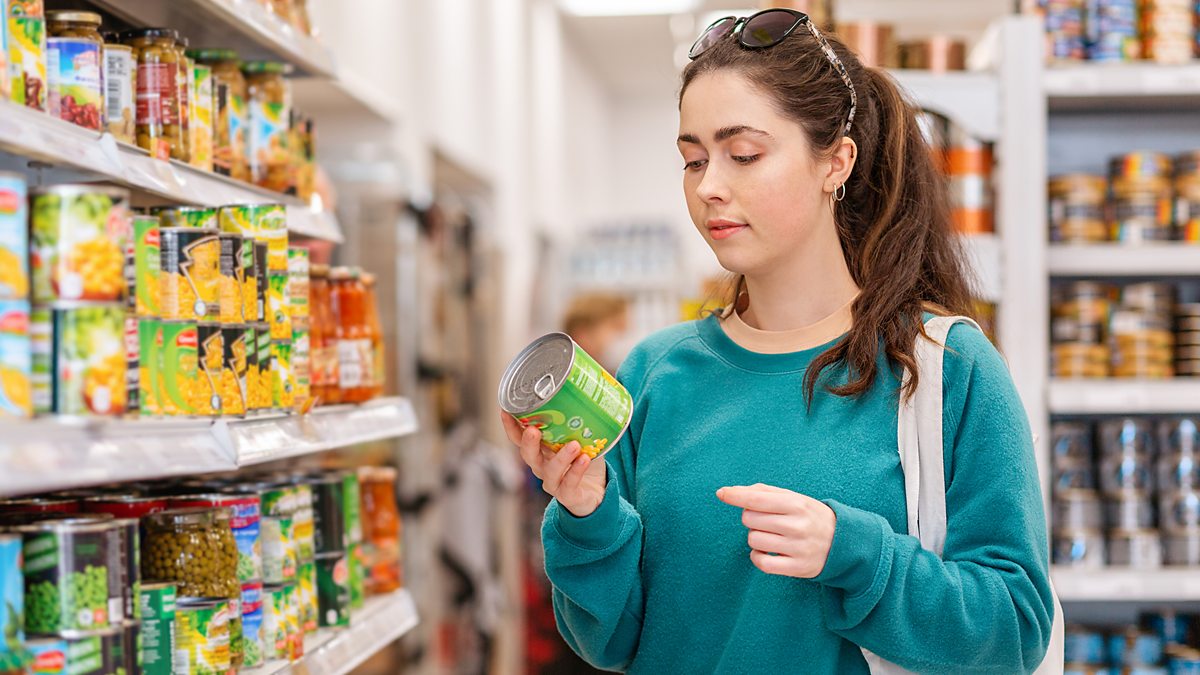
x=554 y=385
x=1074 y=476
x=202 y=639
x=253 y=606
x=275 y=628
x=1082 y=549
x=295 y=626
x=16 y=360
x=129 y=658
x=147 y=266
x=124 y=569
x=254 y=399
x=178 y=352
x=149 y=366
x=78 y=242
x=1081 y=645
x=283 y=378
x=333 y=590
x=1129 y=511
x=14 y=237
x=195 y=549
x=262 y=283
x=210 y=358
x=1126 y=474
x=356 y=561
x=190 y=273
x=1077 y=510
x=66 y=575
x=47 y=655
x=119 y=101
x=329 y=517
x=306 y=588
x=249 y=276
x=278 y=311
x=202 y=118
x=189 y=217
x=73 y=71
x=305 y=521
x=235 y=373
x=231 y=283
x=1138 y=549
x=1126 y=437
x=133 y=369
x=1182 y=548
x=246 y=526
x=1179 y=437
x=302 y=362
x=27 y=60
x=82 y=363
x=298 y=271
x=93 y=652
x=1072 y=442
x=1173 y=627
x=39 y=505
x=264 y=398
x=1178 y=472
x=1180 y=510
x=12 y=593
x=157 y=603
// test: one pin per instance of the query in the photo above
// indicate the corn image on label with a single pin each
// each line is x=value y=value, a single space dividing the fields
x=79 y=238
x=180 y=369
x=235 y=373
x=278 y=311
x=190 y=274
x=210 y=359
x=83 y=359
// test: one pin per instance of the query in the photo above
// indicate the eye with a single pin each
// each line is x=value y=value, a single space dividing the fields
x=745 y=159
x=695 y=165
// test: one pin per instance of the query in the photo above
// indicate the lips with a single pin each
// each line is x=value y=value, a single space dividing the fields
x=723 y=229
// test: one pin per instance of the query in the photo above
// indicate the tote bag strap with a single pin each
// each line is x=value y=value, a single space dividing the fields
x=919 y=436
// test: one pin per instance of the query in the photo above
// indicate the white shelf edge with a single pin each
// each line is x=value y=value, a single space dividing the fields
x=1124 y=397
x=1105 y=80
x=1151 y=260
x=381 y=621
x=39 y=136
x=1114 y=584
x=970 y=99
x=51 y=454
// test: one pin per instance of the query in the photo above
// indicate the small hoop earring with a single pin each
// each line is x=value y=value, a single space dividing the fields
x=839 y=193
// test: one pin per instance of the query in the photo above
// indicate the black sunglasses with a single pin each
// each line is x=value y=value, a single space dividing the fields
x=767 y=29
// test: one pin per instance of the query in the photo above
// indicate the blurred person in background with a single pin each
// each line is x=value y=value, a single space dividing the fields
x=598 y=322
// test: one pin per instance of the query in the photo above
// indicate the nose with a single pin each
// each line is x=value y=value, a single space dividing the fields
x=712 y=187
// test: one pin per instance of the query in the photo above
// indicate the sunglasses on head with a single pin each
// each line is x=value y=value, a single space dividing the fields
x=766 y=29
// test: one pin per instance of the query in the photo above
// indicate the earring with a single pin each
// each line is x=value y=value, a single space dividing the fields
x=839 y=193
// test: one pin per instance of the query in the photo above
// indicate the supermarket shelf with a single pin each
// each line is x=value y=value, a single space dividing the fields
x=245 y=25
x=971 y=99
x=381 y=621
x=39 y=136
x=346 y=99
x=1138 y=260
x=1124 y=397
x=1128 y=86
x=55 y=454
x=1126 y=585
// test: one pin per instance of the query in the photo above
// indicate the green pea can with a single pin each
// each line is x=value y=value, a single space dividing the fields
x=554 y=385
x=252 y=624
x=202 y=636
x=158 y=628
x=306 y=586
x=66 y=575
x=95 y=652
x=333 y=590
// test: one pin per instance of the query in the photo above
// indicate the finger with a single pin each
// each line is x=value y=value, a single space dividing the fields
x=753 y=498
x=772 y=564
x=557 y=467
x=575 y=473
x=512 y=428
x=769 y=542
x=768 y=522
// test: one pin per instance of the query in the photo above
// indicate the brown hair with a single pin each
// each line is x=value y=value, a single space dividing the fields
x=591 y=309
x=894 y=223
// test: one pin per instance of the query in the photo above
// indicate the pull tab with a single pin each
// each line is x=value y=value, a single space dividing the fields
x=544 y=386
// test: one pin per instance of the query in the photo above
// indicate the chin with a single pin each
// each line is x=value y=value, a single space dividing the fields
x=736 y=262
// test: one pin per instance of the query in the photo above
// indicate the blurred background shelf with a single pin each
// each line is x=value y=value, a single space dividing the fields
x=1139 y=260
x=1124 y=397
x=1115 y=584
x=1122 y=86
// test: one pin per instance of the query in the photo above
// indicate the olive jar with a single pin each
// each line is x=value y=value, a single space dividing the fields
x=158 y=107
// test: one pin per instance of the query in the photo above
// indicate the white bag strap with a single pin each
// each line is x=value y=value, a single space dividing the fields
x=919 y=434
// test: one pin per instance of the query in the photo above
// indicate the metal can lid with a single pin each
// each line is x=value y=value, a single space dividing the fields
x=199 y=603
x=537 y=374
x=73 y=16
x=91 y=523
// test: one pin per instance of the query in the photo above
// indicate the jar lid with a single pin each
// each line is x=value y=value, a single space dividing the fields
x=148 y=33
x=74 y=16
x=180 y=40
x=377 y=474
x=198 y=515
x=266 y=67
x=319 y=270
x=213 y=55
x=340 y=273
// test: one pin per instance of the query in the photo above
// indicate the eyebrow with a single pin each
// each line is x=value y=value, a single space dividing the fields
x=724 y=134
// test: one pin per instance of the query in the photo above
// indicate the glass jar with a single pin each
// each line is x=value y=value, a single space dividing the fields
x=375 y=330
x=230 y=138
x=193 y=547
x=322 y=349
x=184 y=83
x=75 y=64
x=157 y=90
x=382 y=529
x=270 y=116
x=352 y=337
x=71 y=24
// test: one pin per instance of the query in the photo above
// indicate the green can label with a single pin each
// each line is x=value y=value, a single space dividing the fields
x=356 y=561
x=196 y=218
x=278 y=309
x=66 y=581
x=92 y=655
x=158 y=628
x=150 y=365
x=202 y=639
x=274 y=628
x=147 y=265
x=333 y=591
x=283 y=379
x=180 y=367
x=305 y=522
x=306 y=582
x=555 y=386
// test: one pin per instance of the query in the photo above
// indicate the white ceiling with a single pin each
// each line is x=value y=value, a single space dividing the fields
x=635 y=56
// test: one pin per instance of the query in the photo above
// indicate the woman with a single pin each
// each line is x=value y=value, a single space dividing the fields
x=752 y=519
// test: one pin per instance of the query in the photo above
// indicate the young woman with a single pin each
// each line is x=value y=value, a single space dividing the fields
x=752 y=519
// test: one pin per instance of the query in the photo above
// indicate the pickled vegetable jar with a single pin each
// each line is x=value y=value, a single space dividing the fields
x=195 y=548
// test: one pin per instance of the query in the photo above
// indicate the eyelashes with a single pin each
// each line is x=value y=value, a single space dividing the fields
x=742 y=160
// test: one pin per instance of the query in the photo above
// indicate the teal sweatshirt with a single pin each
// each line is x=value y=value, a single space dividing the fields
x=659 y=580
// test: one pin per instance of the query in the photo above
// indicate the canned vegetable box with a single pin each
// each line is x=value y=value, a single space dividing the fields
x=555 y=386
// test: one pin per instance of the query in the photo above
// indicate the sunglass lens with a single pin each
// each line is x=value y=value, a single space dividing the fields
x=719 y=29
x=767 y=28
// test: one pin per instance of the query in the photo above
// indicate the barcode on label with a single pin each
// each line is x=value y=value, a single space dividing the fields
x=112 y=97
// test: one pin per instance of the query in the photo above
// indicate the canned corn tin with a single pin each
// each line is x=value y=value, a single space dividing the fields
x=235 y=374
x=278 y=310
x=150 y=366
x=298 y=270
x=147 y=265
x=249 y=276
x=554 y=385
x=83 y=363
x=231 y=282
x=14 y=236
x=202 y=636
x=262 y=281
x=283 y=378
x=16 y=360
x=158 y=628
x=304 y=519
x=178 y=353
x=190 y=273
x=266 y=367
x=79 y=235
x=210 y=358
x=189 y=217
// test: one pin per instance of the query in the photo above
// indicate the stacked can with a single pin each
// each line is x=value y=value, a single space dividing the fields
x=298 y=310
x=306 y=549
x=332 y=539
x=1143 y=342
x=237 y=258
x=158 y=640
x=80 y=361
x=1079 y=329
x=12 y=604
x=1141 y=208
x=352 y=507
x=1127 y=454
x=1078 y=519
x=1076 y=203
x=26 y=37
x=1187 y=339
x=1112 y=30
x=16 y=398
x=1187 y=196
x=969 y=170
x=1179 y=490
x=1168 y=33
x=282 y=638
x=1065 y=29
x=145 y=291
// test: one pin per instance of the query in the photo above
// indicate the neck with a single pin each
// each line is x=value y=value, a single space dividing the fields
x=804 y=289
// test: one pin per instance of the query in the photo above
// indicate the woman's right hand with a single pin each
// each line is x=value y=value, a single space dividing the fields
x=574 y=479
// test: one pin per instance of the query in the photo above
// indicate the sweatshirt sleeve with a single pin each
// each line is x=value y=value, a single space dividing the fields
x=594 y=563
x=985 y=606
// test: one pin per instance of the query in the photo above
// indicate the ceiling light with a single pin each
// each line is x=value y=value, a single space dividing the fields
x=627 y=7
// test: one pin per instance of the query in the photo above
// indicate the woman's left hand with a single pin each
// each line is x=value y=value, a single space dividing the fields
x=796 y=528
